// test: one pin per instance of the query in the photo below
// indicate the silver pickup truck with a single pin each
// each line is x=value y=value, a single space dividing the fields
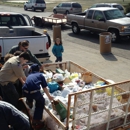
x=16 y=27
x=99 y=20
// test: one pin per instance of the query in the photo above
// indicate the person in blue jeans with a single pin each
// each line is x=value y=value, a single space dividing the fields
x=31 y=90
x=58 y=49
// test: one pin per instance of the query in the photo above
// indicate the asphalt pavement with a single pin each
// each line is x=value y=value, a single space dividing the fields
x=108 y=66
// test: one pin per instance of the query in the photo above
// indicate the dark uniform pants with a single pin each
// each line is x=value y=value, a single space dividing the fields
x=39 y=105
x=10 y=94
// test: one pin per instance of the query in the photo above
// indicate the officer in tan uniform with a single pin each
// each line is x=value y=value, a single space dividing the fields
x=10 y=72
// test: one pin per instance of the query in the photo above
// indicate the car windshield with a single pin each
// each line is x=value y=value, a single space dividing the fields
x=40 y=1
x=113 y=14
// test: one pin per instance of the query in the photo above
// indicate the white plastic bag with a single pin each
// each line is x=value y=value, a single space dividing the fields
x=67 y=74
x=65 y=92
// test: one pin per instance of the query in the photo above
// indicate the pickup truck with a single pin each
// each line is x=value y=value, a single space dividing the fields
x=99 y=20
x=16 y=27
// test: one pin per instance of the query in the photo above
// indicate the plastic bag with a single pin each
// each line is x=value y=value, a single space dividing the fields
x=65 y=92
x=57 y=93
x=67 y=73
x=73 y=75
x=50 y=120
x=49 y=74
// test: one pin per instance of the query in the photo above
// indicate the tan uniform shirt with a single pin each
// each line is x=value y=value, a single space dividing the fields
x=11 y=71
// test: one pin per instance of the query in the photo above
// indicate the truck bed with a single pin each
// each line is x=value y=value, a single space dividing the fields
x=16 y=31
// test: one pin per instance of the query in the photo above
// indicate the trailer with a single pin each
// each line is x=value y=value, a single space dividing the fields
x=82 y=106
x=53 y=19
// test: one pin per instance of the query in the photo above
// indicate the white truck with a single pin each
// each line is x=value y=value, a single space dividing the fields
x=16 y=27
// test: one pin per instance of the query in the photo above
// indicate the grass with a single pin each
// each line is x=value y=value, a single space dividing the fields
x=85 y=3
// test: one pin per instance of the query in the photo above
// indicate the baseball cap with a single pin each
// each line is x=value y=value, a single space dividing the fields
x=35 y=67
x=58 y=77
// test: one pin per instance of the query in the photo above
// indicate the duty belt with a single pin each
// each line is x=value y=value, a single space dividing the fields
x=31 y=92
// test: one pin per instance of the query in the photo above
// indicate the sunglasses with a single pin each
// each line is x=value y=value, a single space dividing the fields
x=25 y=48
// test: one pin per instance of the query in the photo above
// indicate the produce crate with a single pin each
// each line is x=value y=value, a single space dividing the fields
x=113 y=90
x=110 y=121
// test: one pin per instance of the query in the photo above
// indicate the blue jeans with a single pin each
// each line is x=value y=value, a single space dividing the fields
x=39 y=105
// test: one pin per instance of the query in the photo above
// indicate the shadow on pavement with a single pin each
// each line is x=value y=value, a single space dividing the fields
x=109 y=56
x=86 y=35
x=49 y=26
x=47 y=61
x=124 y=43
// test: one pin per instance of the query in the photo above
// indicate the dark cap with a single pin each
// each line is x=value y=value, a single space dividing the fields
x=34 y=67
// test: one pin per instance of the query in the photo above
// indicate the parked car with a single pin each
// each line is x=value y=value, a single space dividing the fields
x=100 y=20
x=113 y=5
x=128 y=14
x=68 y=8
x=35 y=5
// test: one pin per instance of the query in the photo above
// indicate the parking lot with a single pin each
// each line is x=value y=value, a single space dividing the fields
x=84 y=49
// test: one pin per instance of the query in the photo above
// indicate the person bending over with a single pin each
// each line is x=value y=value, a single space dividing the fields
x=31 y=90
x=10 y=72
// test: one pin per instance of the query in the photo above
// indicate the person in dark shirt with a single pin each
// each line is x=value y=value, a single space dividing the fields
x=11 y=118
x=23 y=46
x=31 y=90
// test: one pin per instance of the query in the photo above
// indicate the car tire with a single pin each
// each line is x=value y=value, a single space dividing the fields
x=25 y=8
x=40 y=22
x=67 y=12
x=75 y=28
x=54 y=11
x=36 y=21
x=33 y=9
x=114 y=35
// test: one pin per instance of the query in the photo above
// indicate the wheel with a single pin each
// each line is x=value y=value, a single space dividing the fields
x=115 y=35
x=54 y=11
x=36 y=21
x=33 y=9
x=42 y=10
x=40 y=22
x=25 y=8
x=75 y=28
x=67 y=12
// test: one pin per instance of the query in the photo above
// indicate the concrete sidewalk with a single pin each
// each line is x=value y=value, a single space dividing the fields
x=108 y=66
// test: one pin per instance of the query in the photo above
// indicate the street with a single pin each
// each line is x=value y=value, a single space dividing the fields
x=84 y=49
x=84 y=38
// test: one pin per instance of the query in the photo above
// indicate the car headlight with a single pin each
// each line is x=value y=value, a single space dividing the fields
x=124 y=28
